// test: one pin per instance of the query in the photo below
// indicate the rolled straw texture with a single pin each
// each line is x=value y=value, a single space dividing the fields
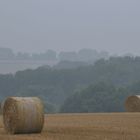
x=132 y=103
x=23 y=115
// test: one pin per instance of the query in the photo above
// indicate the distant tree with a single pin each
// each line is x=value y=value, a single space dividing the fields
x=50 y=55
x=68 y=56
x=23 y=56
x=69 y=65
x=103 y=54
x=88 y=55
x=35 y=56
x=6 y=54
x=97 y=98
x=56 y=85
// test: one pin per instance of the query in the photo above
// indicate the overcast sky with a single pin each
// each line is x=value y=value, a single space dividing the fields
x=67 y=25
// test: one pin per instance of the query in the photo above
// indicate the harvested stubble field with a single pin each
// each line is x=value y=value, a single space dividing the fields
x=96 y=126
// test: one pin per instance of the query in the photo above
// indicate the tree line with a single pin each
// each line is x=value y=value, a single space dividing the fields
x=84 y=55
x=100 y=87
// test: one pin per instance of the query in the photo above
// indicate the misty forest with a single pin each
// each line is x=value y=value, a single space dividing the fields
x=84 y=81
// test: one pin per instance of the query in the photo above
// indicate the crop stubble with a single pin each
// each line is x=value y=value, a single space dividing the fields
x=94 y=126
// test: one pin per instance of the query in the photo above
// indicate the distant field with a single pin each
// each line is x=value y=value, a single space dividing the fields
x=100 y=126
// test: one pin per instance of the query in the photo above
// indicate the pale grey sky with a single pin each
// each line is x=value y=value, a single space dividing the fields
x=67 y=25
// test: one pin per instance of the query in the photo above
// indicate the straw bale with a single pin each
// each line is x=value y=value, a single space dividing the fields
x=23 y=115
x=132 y=103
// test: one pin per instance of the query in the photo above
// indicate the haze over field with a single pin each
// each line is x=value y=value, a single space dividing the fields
x=81 y=58
x=38 y=25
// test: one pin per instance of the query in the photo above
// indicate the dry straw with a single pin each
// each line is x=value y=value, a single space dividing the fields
x=23 y=115
x=132 y=103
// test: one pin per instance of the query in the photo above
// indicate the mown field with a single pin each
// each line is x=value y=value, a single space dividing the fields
x=96 y=126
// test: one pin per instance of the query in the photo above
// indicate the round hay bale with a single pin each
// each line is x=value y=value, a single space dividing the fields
x=132 y=103
x=23 y=115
